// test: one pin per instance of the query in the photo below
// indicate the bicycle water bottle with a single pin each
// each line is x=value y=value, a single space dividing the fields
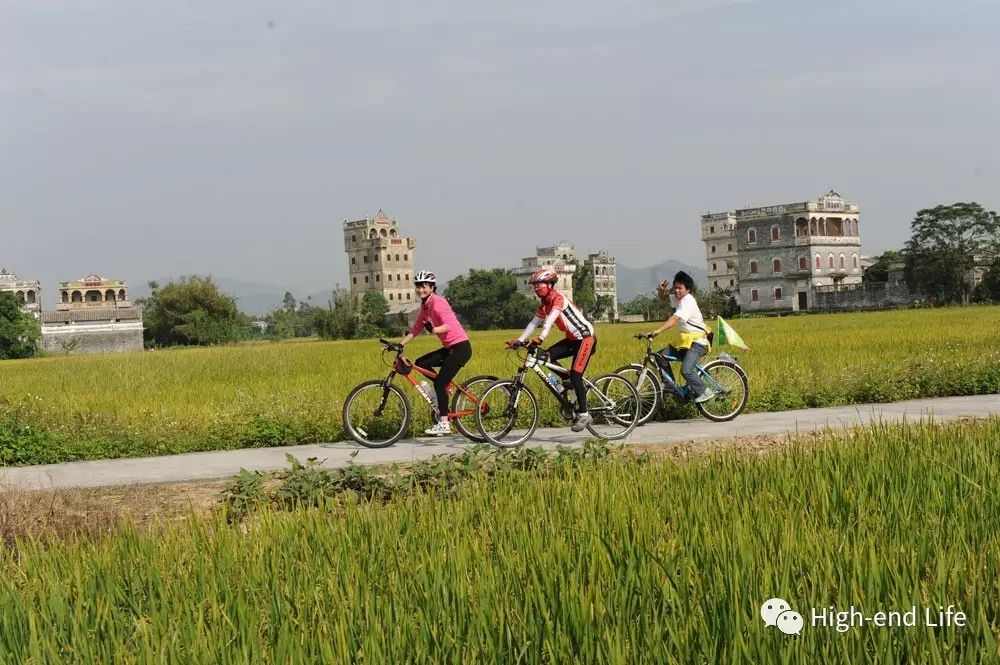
x=555 y=383
x=429 y=392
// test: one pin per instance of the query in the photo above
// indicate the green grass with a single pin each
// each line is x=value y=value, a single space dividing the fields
x=64 y=408
x=609 y=561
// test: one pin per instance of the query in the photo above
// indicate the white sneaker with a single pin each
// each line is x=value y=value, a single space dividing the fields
x=705 y=396
x=439 y=429
x=581 y=422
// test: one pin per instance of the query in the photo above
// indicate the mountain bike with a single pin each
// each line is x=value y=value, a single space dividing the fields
x=654 y=380
x=377 y=413
x=508 y=414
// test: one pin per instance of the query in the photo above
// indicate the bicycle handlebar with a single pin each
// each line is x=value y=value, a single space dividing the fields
x=391 y=346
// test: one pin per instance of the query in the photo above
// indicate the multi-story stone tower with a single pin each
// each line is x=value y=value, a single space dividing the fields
x=718 y=230
x=602 y=267
x=379 y=259
x=560 y=258
x=785 y=253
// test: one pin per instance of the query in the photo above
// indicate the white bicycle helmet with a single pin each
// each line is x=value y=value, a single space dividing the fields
x=425 y=277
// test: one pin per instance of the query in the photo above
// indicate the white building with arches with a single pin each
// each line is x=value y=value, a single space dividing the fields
x=784 y=253
x=27 y=292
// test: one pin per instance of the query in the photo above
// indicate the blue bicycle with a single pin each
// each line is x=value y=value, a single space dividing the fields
x=654 y=380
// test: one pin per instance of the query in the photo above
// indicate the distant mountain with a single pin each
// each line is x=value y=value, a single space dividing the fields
x=252 y=298
x=633 y=282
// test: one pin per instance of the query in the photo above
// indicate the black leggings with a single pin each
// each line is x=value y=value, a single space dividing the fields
x=581 y=350
x=450 y=360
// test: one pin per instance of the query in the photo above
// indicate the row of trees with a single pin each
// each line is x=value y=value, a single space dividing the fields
x=193 y=311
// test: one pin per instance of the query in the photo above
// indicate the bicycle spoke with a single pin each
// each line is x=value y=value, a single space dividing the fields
x=615 y=406
x=376 y=416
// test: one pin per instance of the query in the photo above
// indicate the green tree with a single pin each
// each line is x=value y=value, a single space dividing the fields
x=488 y=299
x=720 y=302
x=989 y=289
x=647 y=306
x=340 y=319
x=604 y=306
x=879 y=271
x=19 y=332
x=583 y=289
x=190 y=311
x=374 y=307
x=945 y=246
x=292 y=319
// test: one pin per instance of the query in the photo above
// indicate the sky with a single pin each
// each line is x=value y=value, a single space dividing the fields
x=148 y=140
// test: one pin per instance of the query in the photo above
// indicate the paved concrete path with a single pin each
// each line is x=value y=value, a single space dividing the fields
x=210 y=465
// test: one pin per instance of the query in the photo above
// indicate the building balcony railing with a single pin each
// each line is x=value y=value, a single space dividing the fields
x=391 y=243
x=94 y=304
x=827 y=240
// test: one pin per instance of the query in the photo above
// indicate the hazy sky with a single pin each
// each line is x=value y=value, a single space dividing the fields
x=143 y=139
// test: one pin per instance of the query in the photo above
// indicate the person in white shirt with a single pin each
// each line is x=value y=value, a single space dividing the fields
x=694 y=341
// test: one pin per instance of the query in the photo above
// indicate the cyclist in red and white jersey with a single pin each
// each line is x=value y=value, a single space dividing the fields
x=580 y=341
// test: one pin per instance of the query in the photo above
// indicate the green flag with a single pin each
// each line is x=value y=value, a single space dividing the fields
x=727 y=335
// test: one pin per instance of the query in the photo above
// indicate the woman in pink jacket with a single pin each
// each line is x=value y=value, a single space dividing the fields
x=436 y=316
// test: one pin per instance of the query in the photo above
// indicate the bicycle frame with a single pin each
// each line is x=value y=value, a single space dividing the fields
x=534 y=362
x=404 y=367
x=670 y=383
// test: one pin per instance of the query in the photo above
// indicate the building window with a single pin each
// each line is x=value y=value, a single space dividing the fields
x=406 y=257
x=407 y=296
x=711 y=229
x=390 y=277
x=713 y=249
x=753 y=267
x=751 y=235
x=353 y=260
x=730 y=282
x=390 y=296
x=353 y=238
x=354 y=280
x=397 y=257
x=843 y=262
x=754 y=296
x=376 y=257
x=831 y=262
x=713 y=267
x=819 y=262
x=366 y=279
x=777 y=293
x=854 y=260
x=378 y=278
x=729 y=247
x=775 y=233
x=364 y=259
x=407 y=277
x=716 y=283
x=803 y=263
x=776 y=265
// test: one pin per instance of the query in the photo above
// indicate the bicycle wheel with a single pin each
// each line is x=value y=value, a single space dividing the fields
x=461 y=403
x=614 y=404
x=648 y=387
x=731 y=380
x=376 y=415
x=508 y=414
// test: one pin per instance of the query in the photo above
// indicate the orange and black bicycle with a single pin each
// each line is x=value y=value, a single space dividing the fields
x=377 y=413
